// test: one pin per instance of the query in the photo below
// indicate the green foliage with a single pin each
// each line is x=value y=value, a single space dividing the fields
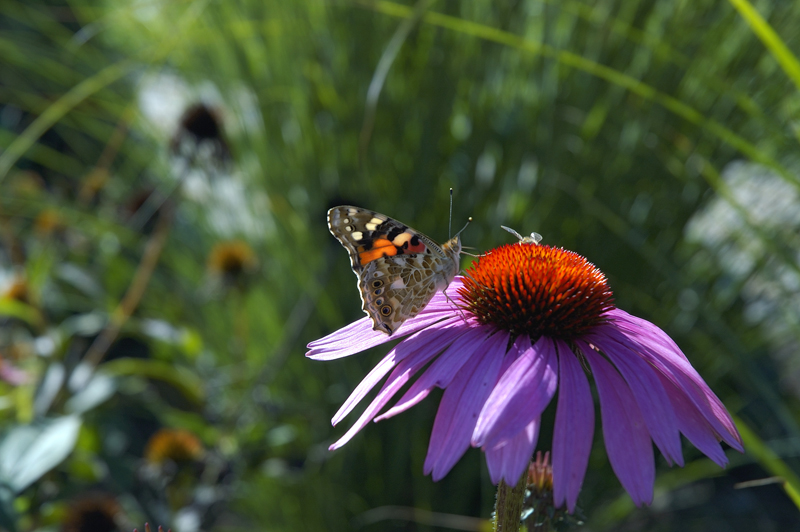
x=658 y=138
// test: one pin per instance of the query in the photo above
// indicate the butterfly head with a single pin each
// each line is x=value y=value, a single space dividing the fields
x=453 y=246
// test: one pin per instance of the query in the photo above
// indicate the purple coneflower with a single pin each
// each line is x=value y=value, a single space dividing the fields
x=524 y=321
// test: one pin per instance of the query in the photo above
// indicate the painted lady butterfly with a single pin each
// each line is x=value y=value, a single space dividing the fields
x=535 y=238
x=399 y=269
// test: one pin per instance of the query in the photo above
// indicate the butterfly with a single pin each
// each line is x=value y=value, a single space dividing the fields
x=535 y=238
x=399 y=269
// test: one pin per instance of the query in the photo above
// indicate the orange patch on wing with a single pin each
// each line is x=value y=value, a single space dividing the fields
x=380 y=247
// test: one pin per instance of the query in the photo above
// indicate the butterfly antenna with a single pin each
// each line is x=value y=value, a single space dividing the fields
x=469 y=220
x=450 y=221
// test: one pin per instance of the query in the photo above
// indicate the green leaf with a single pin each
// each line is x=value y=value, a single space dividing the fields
x=770 y=38
x=22 y=311
x=27 y=452
x=769 y=460
x=98 y=390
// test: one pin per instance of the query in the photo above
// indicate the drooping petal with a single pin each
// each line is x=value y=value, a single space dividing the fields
x=416 y=354
x=574 y=428
x=628 y=442
x=693 y=425
x=651 y=336
x=510 y=458
x=460 y=405
x=443 y=369
x=658 y=349
x=654 y=404
x=521 y=395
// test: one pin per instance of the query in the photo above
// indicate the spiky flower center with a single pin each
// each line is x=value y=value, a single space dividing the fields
x=538 y=290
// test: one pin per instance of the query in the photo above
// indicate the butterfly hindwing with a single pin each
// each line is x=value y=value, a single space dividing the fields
x=399 y=269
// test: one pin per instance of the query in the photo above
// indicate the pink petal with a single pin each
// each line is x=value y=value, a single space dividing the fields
x=521 y=395
x=461 y=403
x=509 y=459
x=654 y=404
x=13 y=375
x=442 y=301
x=443 y=369
x=574 y=427
x=627 y=440
x=405 y=348
x=367 y=383
x=359 y=336
x=642 y=327
x=693 y=425
x=658 y=349
x=412 y=355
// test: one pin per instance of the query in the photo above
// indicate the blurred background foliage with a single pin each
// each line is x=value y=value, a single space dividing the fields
x=165 y=171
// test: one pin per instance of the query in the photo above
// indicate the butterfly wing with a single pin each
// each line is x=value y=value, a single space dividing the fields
x=399 y=269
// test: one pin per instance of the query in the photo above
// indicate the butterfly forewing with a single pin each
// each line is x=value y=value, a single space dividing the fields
x=399 y=269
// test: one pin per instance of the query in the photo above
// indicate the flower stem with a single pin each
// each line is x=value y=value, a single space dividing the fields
x=508 y=508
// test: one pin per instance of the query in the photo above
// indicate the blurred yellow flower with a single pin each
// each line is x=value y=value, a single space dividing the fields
x=47 y=222
x=178 y=445
x=17 y=290
x=232 y=260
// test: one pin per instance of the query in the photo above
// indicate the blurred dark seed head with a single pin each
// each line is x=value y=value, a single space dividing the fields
x=143 y=208
x=98 y=512
x=200 y=128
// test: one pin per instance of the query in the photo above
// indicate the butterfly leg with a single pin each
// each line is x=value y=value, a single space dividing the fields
x=460 y=310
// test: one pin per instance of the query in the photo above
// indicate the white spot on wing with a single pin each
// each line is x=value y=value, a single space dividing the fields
x=357 y=235
x=398 y=284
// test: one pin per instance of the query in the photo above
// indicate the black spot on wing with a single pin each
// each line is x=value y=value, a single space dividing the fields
x=396 y=231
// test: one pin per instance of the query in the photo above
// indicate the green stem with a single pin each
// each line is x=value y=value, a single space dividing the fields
x=508 y=507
